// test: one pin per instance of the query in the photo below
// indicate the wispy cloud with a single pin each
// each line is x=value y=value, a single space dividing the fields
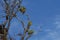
x=55 y=33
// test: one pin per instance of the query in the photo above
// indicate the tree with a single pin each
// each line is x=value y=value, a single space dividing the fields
x=10 y=9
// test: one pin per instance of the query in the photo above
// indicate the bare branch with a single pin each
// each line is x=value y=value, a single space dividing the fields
x=21 y=23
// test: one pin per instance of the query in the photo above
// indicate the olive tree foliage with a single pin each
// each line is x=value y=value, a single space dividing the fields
x=10 y=9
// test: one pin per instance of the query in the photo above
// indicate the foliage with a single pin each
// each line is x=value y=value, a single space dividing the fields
x=10 y=8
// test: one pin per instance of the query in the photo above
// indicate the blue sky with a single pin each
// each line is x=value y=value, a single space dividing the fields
x=44 y=14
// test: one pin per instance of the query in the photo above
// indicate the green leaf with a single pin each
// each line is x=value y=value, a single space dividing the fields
x=22 y=9
x=29 y=23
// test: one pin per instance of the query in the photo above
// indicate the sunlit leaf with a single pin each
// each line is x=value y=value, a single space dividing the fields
x=22 y=9
x=29 y=23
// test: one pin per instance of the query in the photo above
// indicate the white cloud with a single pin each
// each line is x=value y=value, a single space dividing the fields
x=57 y=22
x=53 y=34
